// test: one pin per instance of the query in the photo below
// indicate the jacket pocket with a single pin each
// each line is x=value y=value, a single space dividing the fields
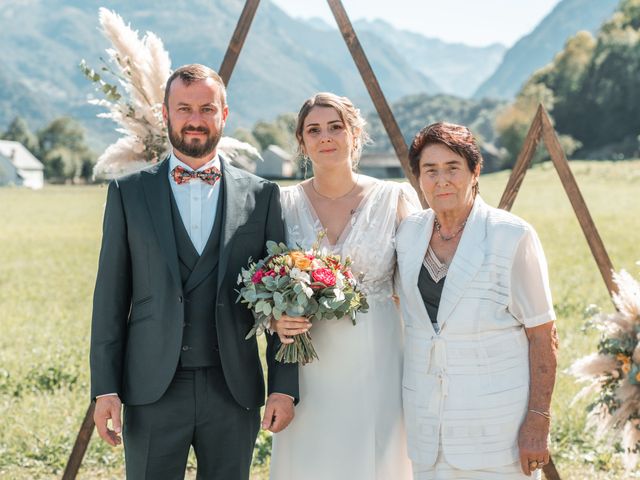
x=141 y=310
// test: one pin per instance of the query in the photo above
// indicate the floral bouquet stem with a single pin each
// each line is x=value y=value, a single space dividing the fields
x=300 y=351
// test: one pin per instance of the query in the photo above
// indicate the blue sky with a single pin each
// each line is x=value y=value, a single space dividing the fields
x=474 y=22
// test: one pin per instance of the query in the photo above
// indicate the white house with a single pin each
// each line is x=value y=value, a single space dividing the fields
x=381 y=165
x=19 y=167
x=277 y=163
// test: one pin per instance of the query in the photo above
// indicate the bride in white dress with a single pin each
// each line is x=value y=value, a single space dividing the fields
x=349 y=422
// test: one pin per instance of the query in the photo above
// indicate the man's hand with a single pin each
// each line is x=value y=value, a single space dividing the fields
x=108 y=408
x=278 y=412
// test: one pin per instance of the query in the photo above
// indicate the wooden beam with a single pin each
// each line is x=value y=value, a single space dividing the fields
x=373 y=87
x=570 y=185
x=237 y=40
x=550 y=471
x=80 y=445
x=522 y=163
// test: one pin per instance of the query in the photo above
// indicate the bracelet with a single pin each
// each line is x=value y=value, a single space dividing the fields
x=546 y=415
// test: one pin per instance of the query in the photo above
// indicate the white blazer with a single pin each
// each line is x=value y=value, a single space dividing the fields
x=466 y=388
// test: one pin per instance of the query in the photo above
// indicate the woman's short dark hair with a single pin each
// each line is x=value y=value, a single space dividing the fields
x=456 y=138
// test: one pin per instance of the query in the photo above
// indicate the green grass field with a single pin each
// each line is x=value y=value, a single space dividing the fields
x=49 y=242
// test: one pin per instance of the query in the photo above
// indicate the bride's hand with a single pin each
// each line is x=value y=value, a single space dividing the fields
x=287 y=327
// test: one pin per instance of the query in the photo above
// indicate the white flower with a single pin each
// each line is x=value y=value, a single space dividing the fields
x=338 y=294
x=297 y=274
x=308 y=291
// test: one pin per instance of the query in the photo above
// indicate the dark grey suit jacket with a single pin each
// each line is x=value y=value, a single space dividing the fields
x=138 y=308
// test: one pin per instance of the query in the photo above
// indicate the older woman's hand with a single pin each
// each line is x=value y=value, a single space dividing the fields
x=533 y=442
x=534 y=432
x=288 y=326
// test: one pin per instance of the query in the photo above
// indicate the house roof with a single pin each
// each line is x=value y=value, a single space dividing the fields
x=21 y=158
x=279 y=152
x=380 y=160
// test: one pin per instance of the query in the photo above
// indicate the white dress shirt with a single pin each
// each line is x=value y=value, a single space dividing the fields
x=197 y=202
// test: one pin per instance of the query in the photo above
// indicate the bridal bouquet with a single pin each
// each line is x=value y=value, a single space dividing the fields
x=614 y=371
x=297 y=283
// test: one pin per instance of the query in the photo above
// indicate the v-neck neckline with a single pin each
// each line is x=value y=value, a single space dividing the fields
x=348 y=228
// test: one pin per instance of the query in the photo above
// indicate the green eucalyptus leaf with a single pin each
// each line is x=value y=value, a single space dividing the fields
x=295 y=311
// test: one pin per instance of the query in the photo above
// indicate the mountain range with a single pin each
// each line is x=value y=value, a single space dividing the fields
x=284 y=59
x=535 y=50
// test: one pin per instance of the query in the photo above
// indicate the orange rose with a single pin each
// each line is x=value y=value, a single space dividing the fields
x=300 y=260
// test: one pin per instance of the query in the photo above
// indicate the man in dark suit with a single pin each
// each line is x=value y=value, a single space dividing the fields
x=168 y=338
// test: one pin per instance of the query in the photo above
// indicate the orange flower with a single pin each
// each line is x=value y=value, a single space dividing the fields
x=625 y=361
x=300 y=260
x=638 y=377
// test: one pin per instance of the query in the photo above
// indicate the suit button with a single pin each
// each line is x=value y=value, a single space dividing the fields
x=180 y=298
x=221 y=305
x=186 y=348
x=186 y=324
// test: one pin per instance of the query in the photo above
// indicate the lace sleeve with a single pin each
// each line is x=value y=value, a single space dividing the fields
x=408 y=202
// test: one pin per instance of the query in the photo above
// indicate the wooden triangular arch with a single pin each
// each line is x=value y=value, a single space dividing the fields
x=542 y=128
x=361 y=61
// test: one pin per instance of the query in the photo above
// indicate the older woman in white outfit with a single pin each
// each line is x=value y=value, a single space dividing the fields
x=480 y=339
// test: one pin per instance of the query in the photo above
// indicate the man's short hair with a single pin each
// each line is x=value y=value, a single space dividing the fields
x=193 y=73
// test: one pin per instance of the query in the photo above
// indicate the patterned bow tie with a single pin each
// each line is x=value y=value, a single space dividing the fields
x=209 y=175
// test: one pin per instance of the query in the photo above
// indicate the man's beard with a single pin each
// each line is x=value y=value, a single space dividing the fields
x=195 y=148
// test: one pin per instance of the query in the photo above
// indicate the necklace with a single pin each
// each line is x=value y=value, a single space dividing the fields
x=450 y=237
x=313 y=185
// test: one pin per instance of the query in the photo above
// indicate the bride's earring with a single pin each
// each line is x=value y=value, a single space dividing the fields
x=305 y=166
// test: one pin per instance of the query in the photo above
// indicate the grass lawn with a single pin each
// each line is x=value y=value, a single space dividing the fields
x=49 y=242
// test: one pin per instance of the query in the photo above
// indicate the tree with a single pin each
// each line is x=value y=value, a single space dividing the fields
x=19 y=131
x=592 y=90
x=64 y=152
x=246 y=136
x=280 y=132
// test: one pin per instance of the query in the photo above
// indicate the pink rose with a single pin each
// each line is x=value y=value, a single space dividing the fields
x=257 y=277
x=324 y=275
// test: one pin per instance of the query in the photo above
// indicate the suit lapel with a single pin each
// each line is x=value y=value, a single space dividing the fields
x=414 y=264
x=157 y=192
x=235 y=198
x=466 y=261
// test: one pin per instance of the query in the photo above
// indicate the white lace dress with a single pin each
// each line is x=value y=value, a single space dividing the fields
x=349 y=422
